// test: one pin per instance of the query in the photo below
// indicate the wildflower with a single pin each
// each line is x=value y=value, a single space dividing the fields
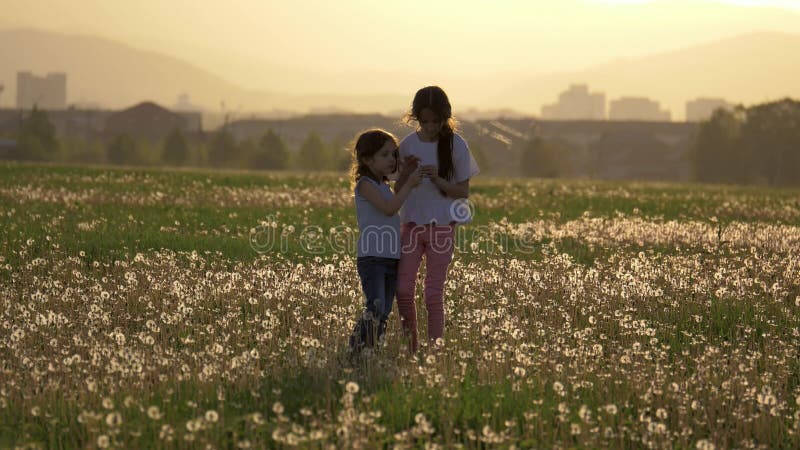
x=153 y=413
x=114 y=419
x=705 y=444
x=661 y=413
x=766 y=399
x=166 y=433
x=211 y=416
x=584 y=413
x=611 y=409
x=103 y=441
x=351 y=387
x=192 y=425
x=108 y=403
x=277 y=408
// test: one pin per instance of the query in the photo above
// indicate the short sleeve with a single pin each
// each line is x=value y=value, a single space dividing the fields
x=464 y=165
x=358 y=183
x=402 y=151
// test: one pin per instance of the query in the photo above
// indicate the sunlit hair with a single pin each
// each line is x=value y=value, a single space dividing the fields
x=435 y=99
x=365 y=146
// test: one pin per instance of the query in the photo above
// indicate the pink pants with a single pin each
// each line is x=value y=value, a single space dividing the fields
x=436 y=243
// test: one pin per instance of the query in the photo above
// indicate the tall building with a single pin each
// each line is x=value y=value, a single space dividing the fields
x=576 y=103
x=637 y=108
x=701 y=109
x=49 y=92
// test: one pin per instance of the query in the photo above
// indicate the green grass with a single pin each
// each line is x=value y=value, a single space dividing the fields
x=543 y=309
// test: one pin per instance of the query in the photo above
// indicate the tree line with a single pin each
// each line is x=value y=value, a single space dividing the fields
x=759 y=144
x=37 y=141
x=747 y=145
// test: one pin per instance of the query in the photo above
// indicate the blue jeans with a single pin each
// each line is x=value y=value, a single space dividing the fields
x=379 y=283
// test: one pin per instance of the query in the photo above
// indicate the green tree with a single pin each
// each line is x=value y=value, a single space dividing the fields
x=771 y=137
x=544 y=159
x=339 y=155
x=312 y=155
x=271 y=153
x=37 y=137
x=80 y=150
x=123 y=149
x=718 y=155
x=176 y=150
x=223 y=150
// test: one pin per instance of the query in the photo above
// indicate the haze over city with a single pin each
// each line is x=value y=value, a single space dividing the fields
x=489 y=55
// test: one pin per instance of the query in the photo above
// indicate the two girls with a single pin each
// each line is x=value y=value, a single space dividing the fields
x=438 y=165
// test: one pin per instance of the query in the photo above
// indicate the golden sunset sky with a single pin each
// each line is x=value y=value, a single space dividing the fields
x=441 y=41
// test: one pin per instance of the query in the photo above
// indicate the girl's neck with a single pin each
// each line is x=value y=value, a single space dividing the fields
x=372 y=175
x=423 y=138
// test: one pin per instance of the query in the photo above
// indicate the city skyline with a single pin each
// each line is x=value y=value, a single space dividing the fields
x=278 y=48
x=575 y=103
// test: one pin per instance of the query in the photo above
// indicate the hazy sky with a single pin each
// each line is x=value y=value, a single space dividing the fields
x=437 y=40
x=472 y=37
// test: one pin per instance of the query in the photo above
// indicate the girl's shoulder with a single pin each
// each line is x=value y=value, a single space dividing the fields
x=459 y=144
x=410 y=138
x=367 y=179
x=364 y=178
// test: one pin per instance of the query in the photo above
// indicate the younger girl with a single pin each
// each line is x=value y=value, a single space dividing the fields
x=432 y=211
x=374 y=158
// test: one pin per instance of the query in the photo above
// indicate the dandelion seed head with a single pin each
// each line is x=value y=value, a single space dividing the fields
x=153 y=412
x=114 y=419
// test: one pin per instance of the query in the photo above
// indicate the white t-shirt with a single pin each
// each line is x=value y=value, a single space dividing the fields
x=426 y=204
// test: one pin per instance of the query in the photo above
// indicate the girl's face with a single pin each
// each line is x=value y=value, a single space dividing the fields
x=429 y=125
x=384 y=162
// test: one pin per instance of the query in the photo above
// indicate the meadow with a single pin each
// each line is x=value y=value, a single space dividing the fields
x=199 y=309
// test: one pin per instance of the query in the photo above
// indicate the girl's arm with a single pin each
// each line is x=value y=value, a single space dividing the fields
x=391 y=206
x=454 y=190
x=407 y=167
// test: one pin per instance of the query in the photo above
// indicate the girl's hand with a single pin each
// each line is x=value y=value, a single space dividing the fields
x=408 y=165
x=415 y=178
x=430 y=172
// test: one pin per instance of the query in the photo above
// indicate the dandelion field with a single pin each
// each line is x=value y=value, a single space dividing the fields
x=188 y=309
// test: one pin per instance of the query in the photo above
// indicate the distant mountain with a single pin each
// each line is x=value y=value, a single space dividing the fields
x=116 y=75
x=746 y=69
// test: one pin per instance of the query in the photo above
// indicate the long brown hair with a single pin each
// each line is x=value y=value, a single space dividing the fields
x=365 y=146
x=435 y=99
